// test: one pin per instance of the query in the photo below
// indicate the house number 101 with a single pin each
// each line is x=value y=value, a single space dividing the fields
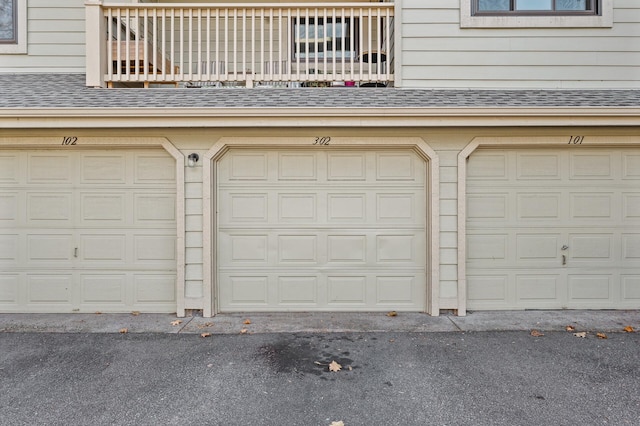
x=576 y=140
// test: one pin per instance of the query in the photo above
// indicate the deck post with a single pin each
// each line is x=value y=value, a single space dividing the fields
x=95 y=44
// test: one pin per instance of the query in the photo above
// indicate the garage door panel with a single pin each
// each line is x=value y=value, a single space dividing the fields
x=102 y=289
x=591 y=247
x=346 y=167
x=566 y=241
x=51 y=208
x=9 y=290
x=298 y=290
x=297 y=167
x=104 y=248
x=297 y=207
x=10 y=166
x=531 y=166
x=347 y=207
x=631 y=247
x=154 y=208
x=538 y=206
x=538 y=287
x=152 y=248
x=631 y=206
x=50 y=247
x=8 y=210
x=153 y=288
x=49 y=168
x=487 y=206
x=103 y=209
x=537 y=247
x=630 y=166
x=631 y=288
x=50 y=288
x=154 y=169
x=591 y=166
x=290 y=238
x=103 y=169
x=9 y=248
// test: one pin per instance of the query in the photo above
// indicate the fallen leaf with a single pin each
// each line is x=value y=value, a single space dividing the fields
x=205 y=334
x=601 y=336
x=340 y=423
x=135 y=313
x=124 y=330
x=176 y=322
x=335 y=367
x=318 y=363
x=570 y=328
x=536 y=333
x=244 y=331
x=392 y=314
x=98 y=313
x=209 y=365
x=350 y=368
x=247 y=321
x=581 y=334
x=629 y=329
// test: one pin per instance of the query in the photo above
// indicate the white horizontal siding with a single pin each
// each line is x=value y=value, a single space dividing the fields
x=55 y=39
x=436 y=52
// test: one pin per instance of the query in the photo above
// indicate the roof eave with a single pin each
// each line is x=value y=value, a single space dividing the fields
x=33 y=118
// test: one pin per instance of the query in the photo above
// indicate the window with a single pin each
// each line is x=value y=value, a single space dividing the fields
x=536 y=13
x=324 y=39
x=8 y=30
x=13 y=26
x=565 y=7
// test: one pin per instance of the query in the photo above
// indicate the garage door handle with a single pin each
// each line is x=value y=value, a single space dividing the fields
x=75 y=252
x=564 y=259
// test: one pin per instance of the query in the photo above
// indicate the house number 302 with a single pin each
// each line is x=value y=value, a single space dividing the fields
x=69 y=140
x=322 y=140
x=576 y=140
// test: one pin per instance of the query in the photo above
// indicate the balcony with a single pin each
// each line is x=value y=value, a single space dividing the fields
x=240 y=45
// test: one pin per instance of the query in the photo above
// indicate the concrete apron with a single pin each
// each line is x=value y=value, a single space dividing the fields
x=581 y=320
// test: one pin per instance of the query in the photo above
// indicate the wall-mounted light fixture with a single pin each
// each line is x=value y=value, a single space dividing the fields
x=192 y=159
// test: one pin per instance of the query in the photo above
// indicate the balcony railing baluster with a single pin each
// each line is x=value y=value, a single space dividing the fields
x=246 y=43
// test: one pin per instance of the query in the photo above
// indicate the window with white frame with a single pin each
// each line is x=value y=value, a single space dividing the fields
x=13 y=26
x=567 y=7
x=536 y=13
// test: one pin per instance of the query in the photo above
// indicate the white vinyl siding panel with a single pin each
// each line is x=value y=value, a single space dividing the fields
x=56 y=41
x=438 y=53
x=553 y=229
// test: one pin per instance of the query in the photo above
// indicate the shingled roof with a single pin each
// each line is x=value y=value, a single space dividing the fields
x=42 y=91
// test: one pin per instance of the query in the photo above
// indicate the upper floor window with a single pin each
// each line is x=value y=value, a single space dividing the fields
x=589 y=7
x=13 y=26
x=8 y=22
x=536 y=13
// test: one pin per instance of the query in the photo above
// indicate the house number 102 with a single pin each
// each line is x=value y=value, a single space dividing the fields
x=69 y=140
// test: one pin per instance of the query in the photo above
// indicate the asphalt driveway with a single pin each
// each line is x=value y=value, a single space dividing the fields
x=386 y=378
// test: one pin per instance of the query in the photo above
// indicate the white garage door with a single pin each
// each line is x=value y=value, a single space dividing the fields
x=87 y=231
x=321 y=230
x=554 y=228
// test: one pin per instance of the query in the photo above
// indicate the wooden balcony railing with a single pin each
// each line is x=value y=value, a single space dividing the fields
x=240 y=44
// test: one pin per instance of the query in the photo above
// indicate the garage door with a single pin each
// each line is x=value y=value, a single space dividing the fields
x=321 y=230
x=554 y=228
x=87 y=231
